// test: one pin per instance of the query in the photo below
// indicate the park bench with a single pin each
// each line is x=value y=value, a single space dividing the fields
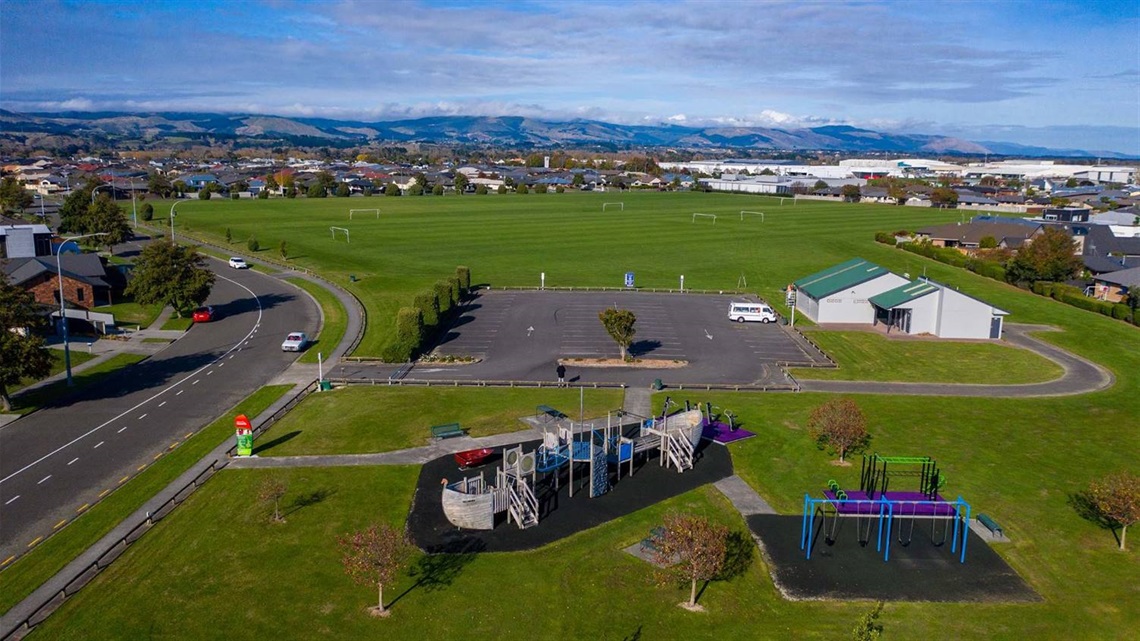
x=548 y=413
x=447 y=431
x=991 y=525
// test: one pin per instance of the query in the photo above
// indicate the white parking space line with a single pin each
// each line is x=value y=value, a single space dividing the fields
x=73 y=460
x=11 y=499
x=44 y=479
x=122 y=429
x=140 y=418
x=98 y=444
x=195 y=382
x=180 y=392
x=162 y=403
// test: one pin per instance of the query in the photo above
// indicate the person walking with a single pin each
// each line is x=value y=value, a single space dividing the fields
x=561 y=371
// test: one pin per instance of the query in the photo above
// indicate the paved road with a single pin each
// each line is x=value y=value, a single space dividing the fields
x=62 y=458
x=1080 y=376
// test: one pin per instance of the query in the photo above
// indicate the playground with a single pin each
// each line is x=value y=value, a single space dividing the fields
x=580 y=475
x=894 y=537
x=518 y=335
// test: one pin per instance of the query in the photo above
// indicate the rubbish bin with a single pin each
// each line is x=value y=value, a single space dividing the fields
x=326 y=386
x=352 y=278
x=657 y=384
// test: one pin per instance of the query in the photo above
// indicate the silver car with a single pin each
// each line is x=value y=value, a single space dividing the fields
x=295 y=342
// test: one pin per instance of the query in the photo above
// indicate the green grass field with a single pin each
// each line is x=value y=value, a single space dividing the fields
x=509 y=240
x=346 y=420
x=865 y=356
x=32 y=400
x=1020 y=461
x=335 y=320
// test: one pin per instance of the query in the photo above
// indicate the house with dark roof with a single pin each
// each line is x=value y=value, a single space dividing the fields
x=85 y=280
x=967 y=237
x=926 y=307
x=1113 y=286
x=840 y=294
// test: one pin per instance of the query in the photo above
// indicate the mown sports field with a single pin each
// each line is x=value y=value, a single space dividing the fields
x=217 y=567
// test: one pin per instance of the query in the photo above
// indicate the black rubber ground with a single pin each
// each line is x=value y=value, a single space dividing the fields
x=920 y=571
x=561 y=515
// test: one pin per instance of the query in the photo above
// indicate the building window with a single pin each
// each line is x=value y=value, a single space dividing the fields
x=79 y=295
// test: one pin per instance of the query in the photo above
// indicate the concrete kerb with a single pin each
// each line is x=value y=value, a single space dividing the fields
x=24 y=616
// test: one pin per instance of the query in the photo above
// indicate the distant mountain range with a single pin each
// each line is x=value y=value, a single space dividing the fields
x=503 y=131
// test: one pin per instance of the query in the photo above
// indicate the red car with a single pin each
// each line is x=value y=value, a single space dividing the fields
x=205 y=315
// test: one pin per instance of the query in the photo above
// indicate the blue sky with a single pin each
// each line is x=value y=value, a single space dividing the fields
x=1056 y=73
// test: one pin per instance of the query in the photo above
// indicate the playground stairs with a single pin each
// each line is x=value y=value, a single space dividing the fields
x=522 y=504
x=679 y=451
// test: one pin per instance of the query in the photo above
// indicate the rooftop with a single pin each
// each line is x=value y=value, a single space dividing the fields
x=839 y=277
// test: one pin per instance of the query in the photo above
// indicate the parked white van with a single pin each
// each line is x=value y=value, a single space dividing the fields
x=741 y=312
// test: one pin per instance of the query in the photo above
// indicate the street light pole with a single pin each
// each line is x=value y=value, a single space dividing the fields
x=172 y=218
x=63 y=302
x=97 y=187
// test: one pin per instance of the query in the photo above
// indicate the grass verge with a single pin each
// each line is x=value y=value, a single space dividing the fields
x=335 y=320
x=866 y=356
x=131 y=313
x=57 y=366
x=30 y=571
x=176 y=323
x=33 y=400
x=346 y=420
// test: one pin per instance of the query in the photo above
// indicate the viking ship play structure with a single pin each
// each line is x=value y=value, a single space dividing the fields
x=473 y=502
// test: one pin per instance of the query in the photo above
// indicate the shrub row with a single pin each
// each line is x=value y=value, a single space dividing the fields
x=1072 y=296
x=416 y=325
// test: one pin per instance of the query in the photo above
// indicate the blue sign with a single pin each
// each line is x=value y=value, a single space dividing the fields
x=629 y=279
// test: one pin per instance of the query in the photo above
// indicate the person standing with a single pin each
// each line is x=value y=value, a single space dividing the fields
x=561 y=371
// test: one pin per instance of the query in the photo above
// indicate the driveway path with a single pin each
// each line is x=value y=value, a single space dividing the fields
x=1080 y=376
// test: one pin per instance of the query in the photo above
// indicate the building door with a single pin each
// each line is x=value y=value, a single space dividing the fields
x=995 y=327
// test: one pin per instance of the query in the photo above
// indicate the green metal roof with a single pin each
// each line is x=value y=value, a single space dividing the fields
x=892 y=298
x=839 y=277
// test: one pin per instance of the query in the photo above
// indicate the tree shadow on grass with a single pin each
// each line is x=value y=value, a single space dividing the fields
x=438 y=571
x=1083 y=505
x=305 y=500
x=277 y=441
x=739 y=552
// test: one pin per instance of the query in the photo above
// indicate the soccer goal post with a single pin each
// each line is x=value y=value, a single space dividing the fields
x=713 y=216
x=620 y=206
x=334 y=230
x=751 y=213
x=353 y=212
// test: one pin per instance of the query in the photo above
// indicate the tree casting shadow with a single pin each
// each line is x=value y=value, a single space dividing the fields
x=438 y=571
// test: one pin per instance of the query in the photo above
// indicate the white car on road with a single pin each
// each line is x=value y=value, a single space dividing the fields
x=238 y=263
x=295 y=342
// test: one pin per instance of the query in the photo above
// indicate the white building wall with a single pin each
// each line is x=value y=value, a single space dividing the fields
x=963 y=317
x=852 y=305
x=924 y=314
x=807 y=306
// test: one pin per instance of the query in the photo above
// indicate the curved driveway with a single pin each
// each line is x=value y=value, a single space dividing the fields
x=57 y=461
x=1080 y=376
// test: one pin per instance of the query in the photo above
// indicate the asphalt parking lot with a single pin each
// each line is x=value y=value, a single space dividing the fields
x=519 y=335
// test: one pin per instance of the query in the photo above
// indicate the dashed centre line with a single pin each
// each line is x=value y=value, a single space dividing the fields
x=121 y=429
x=141 y=417
x=162 y=403
x=180 y=392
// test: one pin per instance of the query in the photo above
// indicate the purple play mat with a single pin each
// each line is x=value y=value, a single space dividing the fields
x=720 y=433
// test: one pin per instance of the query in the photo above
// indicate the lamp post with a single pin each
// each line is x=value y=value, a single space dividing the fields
x=97 y=187
x=172 y=218
x=63 y=302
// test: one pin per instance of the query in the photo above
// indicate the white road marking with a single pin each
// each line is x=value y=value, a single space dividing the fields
x=73 y=460
x=98 y=444
x=260 y=312
x=180 y=392
x=195 y=382
x=140 y=418
x=44 y=479
x=11 y=499
x=221 y=364
x=162 y=403
x=121 y=429
x=209 y=372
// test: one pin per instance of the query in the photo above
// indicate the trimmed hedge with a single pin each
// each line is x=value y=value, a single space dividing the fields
x=885 y=238
x=442 y=290
x=409 y=335
x=464 y=275
x=428 y=304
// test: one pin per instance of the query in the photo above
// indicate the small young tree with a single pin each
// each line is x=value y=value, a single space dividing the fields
x=619 y=325
x=851 y=193
x=283 y=249
x=437 y=190
x=229 y=236
x=147 y=212
x=692 y=548
x=838 y=424
x=868 y=628
x=375 y=556
x=272 y=489
x=1117 y=498
x=252 y=244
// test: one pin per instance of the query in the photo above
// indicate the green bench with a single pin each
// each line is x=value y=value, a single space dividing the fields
x=447 y=431
x=549 y=412
x=991 y=525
